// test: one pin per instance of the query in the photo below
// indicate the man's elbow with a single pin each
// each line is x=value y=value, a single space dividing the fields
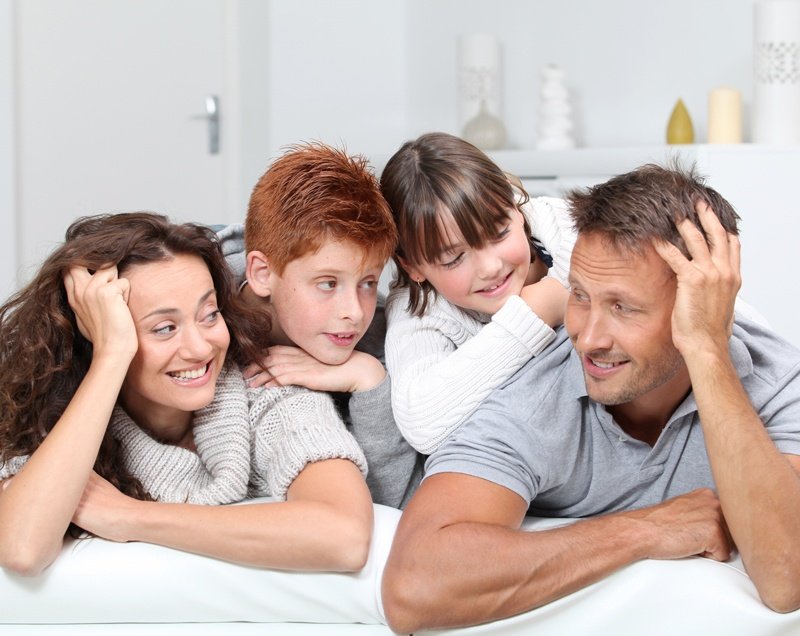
x=784 y=599
x=404 y=600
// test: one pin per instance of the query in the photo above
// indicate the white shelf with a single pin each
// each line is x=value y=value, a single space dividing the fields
x=581 y=162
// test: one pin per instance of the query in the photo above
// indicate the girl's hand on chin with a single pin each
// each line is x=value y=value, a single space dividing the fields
x=547 y=299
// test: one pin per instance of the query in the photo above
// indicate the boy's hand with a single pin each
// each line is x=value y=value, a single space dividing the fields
x=292 y=365
x=547 y=299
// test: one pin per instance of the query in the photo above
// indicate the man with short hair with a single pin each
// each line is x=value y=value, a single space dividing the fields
x=676 y=428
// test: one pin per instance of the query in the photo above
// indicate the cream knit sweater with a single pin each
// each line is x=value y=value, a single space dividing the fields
x=250 y=442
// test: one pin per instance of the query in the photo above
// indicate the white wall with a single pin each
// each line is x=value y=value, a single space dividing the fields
x=369 y=75
x=8 y=227
x=313 y=70
x=627 y=61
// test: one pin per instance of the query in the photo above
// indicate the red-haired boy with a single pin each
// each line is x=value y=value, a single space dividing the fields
x=316 y=238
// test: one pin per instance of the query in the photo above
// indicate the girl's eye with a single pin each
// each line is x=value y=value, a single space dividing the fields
x=369 y=284
x=327 y=285
x=503 y=233
x=455 y=262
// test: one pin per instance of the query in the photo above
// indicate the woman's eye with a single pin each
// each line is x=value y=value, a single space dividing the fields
x=454 y=262
x=212 y=317
x=164 y=330
x=327 y=285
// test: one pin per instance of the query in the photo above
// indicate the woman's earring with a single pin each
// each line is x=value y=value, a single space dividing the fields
x=419 y=283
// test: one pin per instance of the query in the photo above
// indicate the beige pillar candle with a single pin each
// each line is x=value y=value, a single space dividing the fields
x=724 y=116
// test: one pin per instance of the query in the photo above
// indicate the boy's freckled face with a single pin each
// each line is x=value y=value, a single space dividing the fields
x=324 y=301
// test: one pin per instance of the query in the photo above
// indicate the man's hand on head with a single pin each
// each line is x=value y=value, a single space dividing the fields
x=291 y=365
x=707 y=284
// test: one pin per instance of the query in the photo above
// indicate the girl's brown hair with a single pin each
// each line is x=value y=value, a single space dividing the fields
x=437 y=174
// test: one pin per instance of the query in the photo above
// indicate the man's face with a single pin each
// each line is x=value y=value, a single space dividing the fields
x=324 y=301
x=619 y=319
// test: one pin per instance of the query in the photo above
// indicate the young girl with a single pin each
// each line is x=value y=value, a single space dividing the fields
x=121 y=412
x=482 y=274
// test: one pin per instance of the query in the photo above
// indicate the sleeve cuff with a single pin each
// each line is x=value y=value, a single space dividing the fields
x=519 y=319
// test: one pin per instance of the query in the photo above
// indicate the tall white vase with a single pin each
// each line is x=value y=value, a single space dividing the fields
x=480 y=76
x=776 y=82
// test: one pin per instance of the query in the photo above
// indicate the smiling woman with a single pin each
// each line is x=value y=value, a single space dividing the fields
x=124 y=412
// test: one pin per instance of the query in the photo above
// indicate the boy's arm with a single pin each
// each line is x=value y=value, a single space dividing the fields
x=459 y=558
x=231 y=242
x=395 y=468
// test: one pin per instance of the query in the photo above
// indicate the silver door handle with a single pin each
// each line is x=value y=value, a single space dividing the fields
x=212 y=117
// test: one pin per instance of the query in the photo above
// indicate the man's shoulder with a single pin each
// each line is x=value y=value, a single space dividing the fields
x=762 y=355
x=544 y=387
x=554 y=369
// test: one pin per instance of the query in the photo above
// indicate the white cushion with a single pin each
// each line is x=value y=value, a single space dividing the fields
x=98 y=581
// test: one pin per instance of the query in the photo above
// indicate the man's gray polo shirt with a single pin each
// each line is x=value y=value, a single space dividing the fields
x=541 y=436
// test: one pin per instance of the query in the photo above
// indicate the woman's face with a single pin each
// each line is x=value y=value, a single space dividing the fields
x=182 y=344
x=479 y=279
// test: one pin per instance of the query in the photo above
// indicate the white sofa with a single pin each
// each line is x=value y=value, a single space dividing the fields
x=99 y=587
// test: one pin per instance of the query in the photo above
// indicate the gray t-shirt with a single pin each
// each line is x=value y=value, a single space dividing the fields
x=541 y=436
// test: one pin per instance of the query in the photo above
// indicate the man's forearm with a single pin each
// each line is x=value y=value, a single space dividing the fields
x=758 y=488
x=443 y=574
x=473 y=573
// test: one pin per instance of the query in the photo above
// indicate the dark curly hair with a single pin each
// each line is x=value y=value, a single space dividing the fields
x=44 y=357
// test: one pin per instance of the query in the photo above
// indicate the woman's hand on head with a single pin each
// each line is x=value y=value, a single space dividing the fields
x=547 y=299
x=100 y=303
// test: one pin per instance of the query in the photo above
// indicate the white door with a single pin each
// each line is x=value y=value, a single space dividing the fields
x=106 y=97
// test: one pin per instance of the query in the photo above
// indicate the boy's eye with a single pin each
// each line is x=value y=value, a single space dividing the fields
x=453 y=263
x=327 y=285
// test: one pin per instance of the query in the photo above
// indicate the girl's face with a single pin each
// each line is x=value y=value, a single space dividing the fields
x=479 y=279
x=182 y=344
